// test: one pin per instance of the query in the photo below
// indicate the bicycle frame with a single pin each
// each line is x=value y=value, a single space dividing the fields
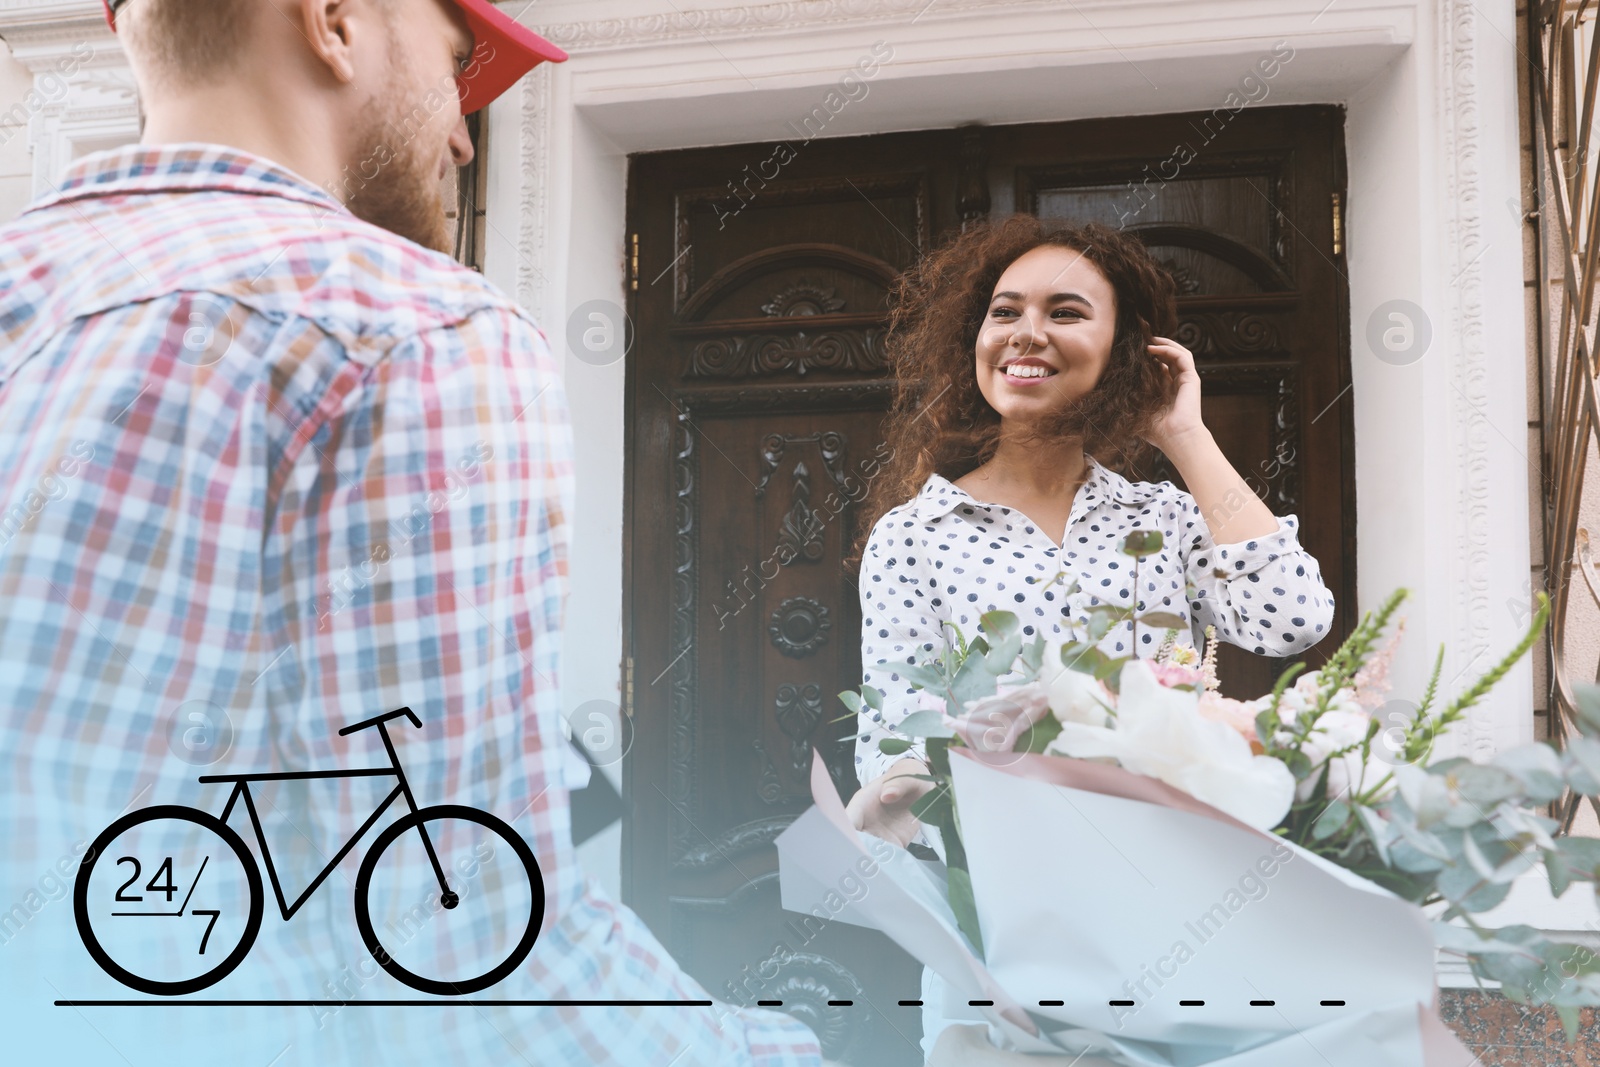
x=241 y=788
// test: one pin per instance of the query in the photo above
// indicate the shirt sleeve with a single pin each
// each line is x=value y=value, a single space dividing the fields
x=1265 y=594
x=420 y=559
x=900 y=625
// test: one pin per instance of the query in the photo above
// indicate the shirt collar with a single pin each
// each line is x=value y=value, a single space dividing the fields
x=184 y=167
x=939 y=496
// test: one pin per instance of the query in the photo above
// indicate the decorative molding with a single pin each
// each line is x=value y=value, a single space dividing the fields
x=774 y=19
x=801 y=299
x=972 y=177
x=800 y=533
x=681 y=685
x=870 y=395
x=830 y=442
x=798 y=709
x=799 y=627
x=1183 y=279
x=1229 y=334
x=1469 y=369
x=815 y=990
x=767 y=354
x=735 y=841
x=533 y=205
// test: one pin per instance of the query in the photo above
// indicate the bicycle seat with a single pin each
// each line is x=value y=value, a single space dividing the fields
x=364 y=723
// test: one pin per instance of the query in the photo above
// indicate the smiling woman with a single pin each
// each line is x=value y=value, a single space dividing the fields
x=1028 y=358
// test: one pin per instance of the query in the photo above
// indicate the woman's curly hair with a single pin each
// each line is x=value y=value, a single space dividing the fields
x=940 y=422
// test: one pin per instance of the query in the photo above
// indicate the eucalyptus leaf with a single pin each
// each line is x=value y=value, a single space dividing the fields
x=922 y=675
x=1000 y=625
x=1486 y=896
x=1331 y=821
x=1377 y=830
x=1142 y=543
x=1463 y=939
x=1582 y=855
x=1004 y=656
x=1587 y=700
x=1557 y=871
x=1538 y=767
x=1038 y=736
x=924 y=723
x=1569 y=1021
x=893 y=746
x=1485 y=785
x=1166 y=620
x=1582 y=760
x=852 y=700
x=1299 y=764
x=1406 y=856
x=873 y=698
x=972 y=682
x=1422 y=842
x=1102 y=617
x=1109 y=668
x=1503 y=872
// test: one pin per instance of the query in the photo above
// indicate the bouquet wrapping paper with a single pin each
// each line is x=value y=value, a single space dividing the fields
x=1122 y=898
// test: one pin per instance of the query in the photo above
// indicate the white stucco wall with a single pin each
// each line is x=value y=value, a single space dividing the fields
x=16 y=158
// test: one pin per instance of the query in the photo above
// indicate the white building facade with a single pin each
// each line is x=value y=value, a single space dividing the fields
x=1446 y=463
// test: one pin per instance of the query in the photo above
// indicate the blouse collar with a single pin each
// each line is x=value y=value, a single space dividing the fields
x=939 y=496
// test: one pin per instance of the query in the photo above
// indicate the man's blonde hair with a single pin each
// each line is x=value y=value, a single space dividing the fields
x=187 y=41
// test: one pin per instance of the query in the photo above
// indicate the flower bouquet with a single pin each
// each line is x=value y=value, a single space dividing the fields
x=1120 y=860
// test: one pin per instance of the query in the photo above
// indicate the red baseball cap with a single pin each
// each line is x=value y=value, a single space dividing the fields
x=503 y=51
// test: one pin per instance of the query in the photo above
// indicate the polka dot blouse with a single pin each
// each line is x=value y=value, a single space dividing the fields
x=945 y=557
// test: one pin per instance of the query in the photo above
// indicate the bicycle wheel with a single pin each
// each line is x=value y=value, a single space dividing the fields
x=469 y=936
x=179 y=907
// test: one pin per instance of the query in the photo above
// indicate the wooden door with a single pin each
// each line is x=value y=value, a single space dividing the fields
x=756 y=390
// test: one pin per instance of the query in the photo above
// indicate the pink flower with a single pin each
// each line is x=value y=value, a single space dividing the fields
x=1174 y=674
x=994 y=723
x=1239 y=714
x=1372 y=680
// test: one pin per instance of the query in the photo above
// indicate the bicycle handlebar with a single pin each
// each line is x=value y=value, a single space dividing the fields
x=362 y=725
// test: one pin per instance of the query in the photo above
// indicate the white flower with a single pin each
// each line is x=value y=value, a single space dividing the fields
x=1184 y=656
x=1344 y=724
x=1074 y=696
x=1159 y=732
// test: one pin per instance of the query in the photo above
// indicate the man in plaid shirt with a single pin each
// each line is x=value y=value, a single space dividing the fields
x=267 y=469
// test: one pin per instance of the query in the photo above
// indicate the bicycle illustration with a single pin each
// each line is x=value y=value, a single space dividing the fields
x=104 y=924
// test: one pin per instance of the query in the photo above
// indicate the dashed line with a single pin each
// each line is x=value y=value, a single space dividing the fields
x=1049 y=1003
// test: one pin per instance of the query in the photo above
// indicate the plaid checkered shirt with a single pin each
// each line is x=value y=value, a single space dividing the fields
x=270 y=469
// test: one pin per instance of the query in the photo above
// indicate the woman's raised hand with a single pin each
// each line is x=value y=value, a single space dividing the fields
x=882 y=807
x=1180 y=421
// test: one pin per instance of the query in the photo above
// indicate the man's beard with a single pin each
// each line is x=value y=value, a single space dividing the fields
x=395 y=185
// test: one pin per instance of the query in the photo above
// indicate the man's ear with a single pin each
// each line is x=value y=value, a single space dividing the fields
x=327 y=27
